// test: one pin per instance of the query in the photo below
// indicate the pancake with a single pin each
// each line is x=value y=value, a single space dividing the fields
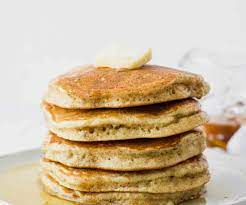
x=152 y=121
x=126 y=155
x=182 y=177
x=48 y=199
x=87 y=87
x=117 y=198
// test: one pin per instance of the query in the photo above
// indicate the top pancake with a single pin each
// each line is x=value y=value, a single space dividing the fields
x=88 y=87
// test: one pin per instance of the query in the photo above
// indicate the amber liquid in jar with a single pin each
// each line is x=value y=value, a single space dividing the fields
x=219 y=130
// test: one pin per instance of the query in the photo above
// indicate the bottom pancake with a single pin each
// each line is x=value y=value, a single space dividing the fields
x=117 y=198
x=184 y=176
x=48 y=199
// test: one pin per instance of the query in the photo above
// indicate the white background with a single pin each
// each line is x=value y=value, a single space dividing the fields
x=40 y=39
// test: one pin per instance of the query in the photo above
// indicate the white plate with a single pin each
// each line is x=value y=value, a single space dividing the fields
x=228 y=182
x=227 y=185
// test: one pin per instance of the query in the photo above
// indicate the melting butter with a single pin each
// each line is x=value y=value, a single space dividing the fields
x=122 y=57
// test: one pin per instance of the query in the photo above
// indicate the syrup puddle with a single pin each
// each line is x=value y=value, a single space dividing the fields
x=20 y=186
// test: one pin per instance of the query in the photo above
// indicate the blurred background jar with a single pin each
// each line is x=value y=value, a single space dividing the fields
x=226 y=103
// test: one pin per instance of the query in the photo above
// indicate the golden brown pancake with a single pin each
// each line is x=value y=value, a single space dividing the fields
x=152 y=121
x=88 y=87
x=182 y=177
x=117 y=198
x=126 y=155
x=48 y=199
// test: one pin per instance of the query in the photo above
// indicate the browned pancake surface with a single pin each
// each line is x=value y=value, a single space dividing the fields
x=90 y=87
x=127 y=155
x=184 y=176
x=150 y=121
x=186 y=107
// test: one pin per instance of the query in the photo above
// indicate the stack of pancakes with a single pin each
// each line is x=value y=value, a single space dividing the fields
x=125 y=137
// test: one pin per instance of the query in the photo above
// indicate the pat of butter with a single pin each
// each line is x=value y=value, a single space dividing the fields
x=121 y=57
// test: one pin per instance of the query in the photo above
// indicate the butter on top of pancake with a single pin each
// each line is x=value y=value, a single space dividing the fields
x=123 y=57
